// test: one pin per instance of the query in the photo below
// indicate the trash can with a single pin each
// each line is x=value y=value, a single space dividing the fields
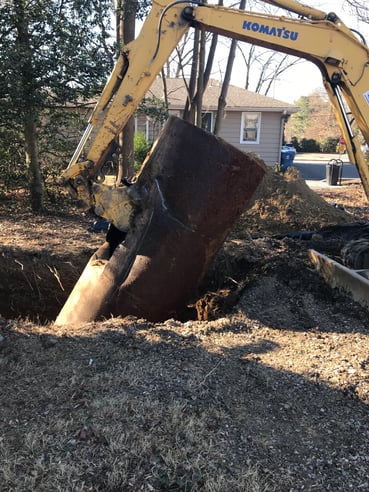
x=287 y=157
x=334 y=172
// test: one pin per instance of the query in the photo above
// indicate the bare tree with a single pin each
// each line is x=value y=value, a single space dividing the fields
x=188 y=113
x=227 y=78
x=360 y=9
x=268 y=66
x=263 y=67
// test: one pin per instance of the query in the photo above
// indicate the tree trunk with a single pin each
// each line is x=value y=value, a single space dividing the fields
x=204 y=71
x=28 y=90
x=33 y=164
x=227 y=77
x=189 y=113
x=200 y=79
x=222 y=101
x=126 y=18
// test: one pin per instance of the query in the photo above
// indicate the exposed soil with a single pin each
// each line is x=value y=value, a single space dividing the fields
x=265 y=387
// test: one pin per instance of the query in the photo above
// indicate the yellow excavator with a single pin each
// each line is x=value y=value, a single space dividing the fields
x=169 y=223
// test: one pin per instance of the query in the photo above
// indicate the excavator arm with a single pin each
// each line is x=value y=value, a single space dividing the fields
x=321 y=38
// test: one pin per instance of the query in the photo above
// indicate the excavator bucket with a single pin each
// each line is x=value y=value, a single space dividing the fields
x=196 y=187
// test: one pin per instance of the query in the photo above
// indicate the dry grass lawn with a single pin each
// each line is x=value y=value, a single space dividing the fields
x=264 y=388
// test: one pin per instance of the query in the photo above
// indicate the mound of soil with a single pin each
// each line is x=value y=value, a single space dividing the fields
x=284 y=204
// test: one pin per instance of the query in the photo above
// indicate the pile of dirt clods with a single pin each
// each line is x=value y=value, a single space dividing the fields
x=282 y=206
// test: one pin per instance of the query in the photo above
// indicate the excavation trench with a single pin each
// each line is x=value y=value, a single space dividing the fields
x=36 y=284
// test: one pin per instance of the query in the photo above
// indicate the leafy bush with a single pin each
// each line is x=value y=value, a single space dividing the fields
x=329 y=145
x=296 y=144
x=13 y=171
x=309 y=145
x=141 y=148
x=154 y=108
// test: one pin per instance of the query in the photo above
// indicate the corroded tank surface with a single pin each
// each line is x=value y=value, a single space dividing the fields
x=195 y=187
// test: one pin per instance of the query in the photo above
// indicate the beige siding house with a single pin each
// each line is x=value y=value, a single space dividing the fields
x=252 y=122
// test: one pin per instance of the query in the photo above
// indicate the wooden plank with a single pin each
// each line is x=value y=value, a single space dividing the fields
x=346 y=279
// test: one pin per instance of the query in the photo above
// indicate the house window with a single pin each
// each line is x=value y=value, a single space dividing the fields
x=250 y=127
x=206 y=121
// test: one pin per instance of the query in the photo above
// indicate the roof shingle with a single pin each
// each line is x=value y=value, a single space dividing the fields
x=238 y=99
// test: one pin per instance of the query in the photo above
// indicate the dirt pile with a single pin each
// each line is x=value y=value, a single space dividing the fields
x=281 y=205
x=285 y=203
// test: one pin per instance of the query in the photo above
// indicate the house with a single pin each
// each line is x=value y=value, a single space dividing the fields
x=252 y=122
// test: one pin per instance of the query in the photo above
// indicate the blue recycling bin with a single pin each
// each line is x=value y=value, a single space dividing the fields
x=287 y=157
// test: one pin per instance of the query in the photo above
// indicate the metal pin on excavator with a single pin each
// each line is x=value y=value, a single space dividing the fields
x=193 y=186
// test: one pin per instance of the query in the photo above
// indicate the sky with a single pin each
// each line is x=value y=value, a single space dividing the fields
x=305 y=78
